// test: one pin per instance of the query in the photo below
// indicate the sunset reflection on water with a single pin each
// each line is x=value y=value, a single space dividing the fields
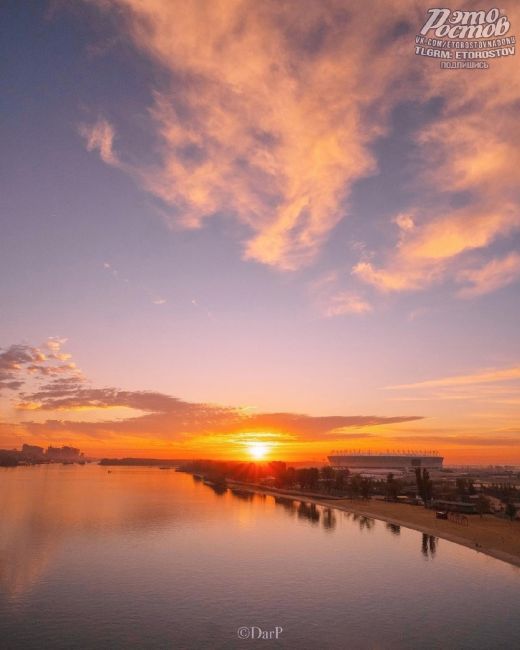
x=92 y=556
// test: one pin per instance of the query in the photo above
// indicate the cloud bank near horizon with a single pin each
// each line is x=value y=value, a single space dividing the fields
x=37 y=383
x=51 y=400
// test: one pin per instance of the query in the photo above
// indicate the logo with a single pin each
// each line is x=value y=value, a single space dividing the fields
x=255 y=632
x=465 y=39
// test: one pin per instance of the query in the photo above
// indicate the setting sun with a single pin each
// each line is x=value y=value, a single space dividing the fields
x=257 y=450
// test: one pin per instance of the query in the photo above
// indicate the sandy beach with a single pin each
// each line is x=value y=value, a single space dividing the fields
x=488 y=534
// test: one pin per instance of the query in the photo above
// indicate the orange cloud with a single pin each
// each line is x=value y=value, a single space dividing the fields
x=152 y=416
x=269 y=115
x=487 y=376
x=330 y=301
x=468 y=152
x=495 y=274
x=100 y=137
x=398 y=278
x=346 y=302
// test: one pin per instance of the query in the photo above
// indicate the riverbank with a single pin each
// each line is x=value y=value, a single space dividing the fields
x=488 y=534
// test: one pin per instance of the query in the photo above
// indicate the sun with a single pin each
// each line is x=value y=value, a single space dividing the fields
x=257 y=450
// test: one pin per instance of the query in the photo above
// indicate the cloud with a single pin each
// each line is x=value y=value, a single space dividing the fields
x=265 y=115
x=482 y=377
x=169 y=417
x=467 y=178
x=20 y=364
x=54 y=343
x=269 y=113
x=494 y=275
x=331 y=301
x=489 y=440
x=346 y=302
x=404 y=222
x=99 y=137
x=157 y=415
x=398 y=278
x=433 y=252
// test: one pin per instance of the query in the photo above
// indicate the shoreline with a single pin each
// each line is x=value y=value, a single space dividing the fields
x=476 y=539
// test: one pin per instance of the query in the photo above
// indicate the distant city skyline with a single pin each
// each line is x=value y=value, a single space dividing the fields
x=241 y=230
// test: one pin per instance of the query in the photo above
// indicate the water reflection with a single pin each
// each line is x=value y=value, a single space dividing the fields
x=43 y=507
x=308 y=511
x=429 y=546
x=138 y=558
x=329 y=519
x=393 y=528
x=217 y=489
x=286 y=503
x=363 y=521
x=304 y=510
x=245 y=495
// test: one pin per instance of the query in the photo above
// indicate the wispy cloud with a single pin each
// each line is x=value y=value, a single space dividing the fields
x=171 y=418
x=494 y=275
x=153 y=296
x=346 y=302
x=153 y=415
x=332 y=301
x=475 y=160
x=266 y=115
x=488 y=440
x=99 y=136
x=481 y=377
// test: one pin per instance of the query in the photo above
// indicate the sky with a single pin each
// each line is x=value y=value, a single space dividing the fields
x=233 y=228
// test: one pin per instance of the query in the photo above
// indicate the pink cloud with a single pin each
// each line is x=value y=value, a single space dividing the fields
x=494 y=275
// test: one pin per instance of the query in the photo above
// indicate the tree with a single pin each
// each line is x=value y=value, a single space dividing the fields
x=327 y=473
x=327 y=476
x=289 y=478
x=341 y=477
x=461 y=486
x=308 y=477
x=354 y=486
x=366 y=488
x=482 y=504
x=314 y=475
x=511 y=510
x=424 y=485
x=393 y=487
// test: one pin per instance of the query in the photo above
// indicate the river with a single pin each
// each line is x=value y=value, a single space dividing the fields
x=92 y=557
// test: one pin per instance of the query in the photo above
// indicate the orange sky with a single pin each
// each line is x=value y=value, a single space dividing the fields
x=233 y=222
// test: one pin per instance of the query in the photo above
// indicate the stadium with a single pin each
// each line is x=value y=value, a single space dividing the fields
x=375 y=461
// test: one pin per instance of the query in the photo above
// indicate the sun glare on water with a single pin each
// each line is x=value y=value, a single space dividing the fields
x=257 y=450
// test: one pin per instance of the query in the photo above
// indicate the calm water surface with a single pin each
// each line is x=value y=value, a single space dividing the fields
x=153 y=559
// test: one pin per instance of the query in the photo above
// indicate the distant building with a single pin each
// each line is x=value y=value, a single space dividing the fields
x=370 y=461
x=33 y=452
x=63 y=453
